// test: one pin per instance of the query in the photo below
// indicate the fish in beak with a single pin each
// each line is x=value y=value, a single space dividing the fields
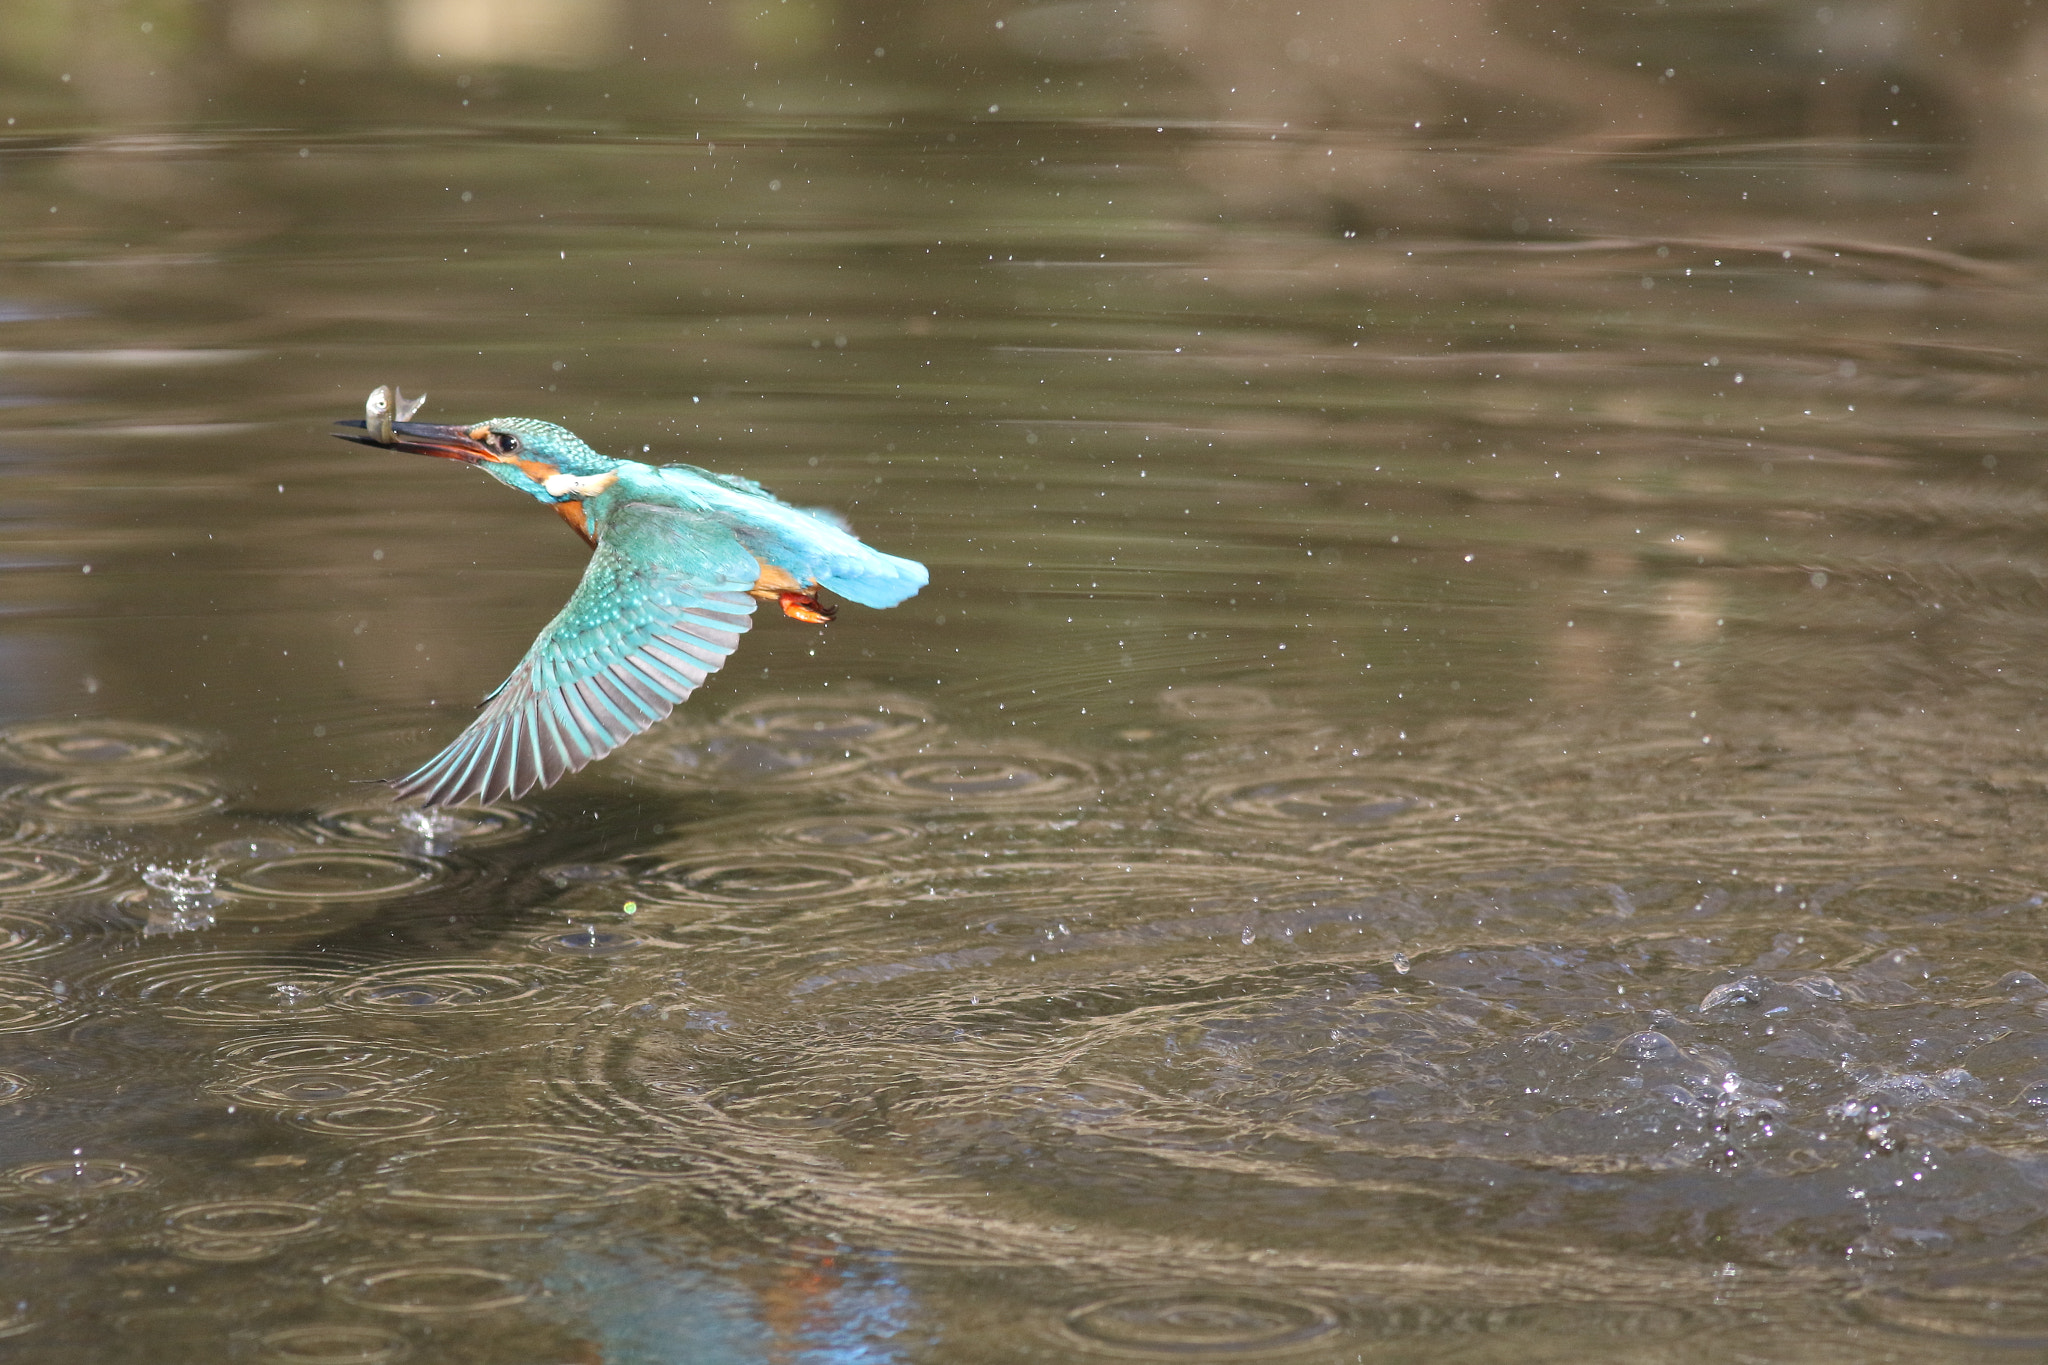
x=385 y=426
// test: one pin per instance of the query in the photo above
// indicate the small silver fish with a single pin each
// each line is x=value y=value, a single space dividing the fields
x=380 y=411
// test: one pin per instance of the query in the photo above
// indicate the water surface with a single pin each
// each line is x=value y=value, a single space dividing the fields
x=1468 y=785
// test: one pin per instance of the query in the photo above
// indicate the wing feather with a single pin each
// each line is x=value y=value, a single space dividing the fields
x=612 y=728
x=637 y=693
x=660 y=608
x=596 y=739
x=655 y=673
x=684 y=666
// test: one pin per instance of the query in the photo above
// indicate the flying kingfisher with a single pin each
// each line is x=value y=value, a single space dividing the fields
x=680 y=557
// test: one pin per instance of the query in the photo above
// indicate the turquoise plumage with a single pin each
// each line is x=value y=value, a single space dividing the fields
x=681 y=557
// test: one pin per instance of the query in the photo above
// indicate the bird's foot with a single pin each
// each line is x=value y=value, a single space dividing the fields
x=803 y=606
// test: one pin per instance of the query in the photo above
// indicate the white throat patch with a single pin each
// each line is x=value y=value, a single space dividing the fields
x=571 y=486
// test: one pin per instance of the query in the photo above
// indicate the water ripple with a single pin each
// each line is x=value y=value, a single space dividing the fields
x=26 y=1220
x=1186 y=1324
x=231 y=1230
x=427 y=1289
x=29 y=1004
x=784 y=741
x=115 y=798
x=500 y=1170
x=867 y=719
x=1322 y=802
x=1229 y=704
x=373 y=1118
x=749 y=832
x=422 y=831
x=468 y=987
x=328 y=1052
x=982 y=777
x=588 y=940
x=333 y=875
x=27 y=872
x=2010 y=1316
x=99 y=745
x=711 y=757
x=27 y=936
x=301 y=1089
x=760 y=879
x=79 y=1177
x=226 y=988
x=334 y=1344
x=1138 y=908
x=246 y=1218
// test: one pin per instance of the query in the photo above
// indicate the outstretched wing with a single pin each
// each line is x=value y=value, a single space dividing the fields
x=660 y=607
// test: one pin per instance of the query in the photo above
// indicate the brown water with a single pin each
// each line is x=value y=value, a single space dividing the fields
x=1469 y=785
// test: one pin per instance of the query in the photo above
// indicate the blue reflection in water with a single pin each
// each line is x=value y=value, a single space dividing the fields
x=643 y=1308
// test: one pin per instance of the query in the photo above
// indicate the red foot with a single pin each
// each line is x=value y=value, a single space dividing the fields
x=802 y=606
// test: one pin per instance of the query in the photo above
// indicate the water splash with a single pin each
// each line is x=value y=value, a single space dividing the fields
x=430 y=830
x=185 y=899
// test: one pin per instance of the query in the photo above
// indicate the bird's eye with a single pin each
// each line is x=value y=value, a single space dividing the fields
x=504 y=442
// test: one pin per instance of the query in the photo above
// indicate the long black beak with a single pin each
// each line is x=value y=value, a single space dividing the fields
x=422 y=438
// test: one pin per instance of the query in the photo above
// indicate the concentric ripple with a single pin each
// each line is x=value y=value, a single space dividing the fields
x=300 y=1089
x=588 y=940
x=27 y=872
x=311 y=1052
x=871 y=720
x=373 y=1118
x=1322 y=803
x=80 y=1177
x=763 y=879
x=471 y=987
x=230 y=989
x=977 y=777
x=99 y=745
x=842 y=831
x=25 y=936
x=28 y=1004
x=1181 y=1325
x=333 y=1344
x=26 y=1220
x=428 y=1289
x=332 y=875
x=411 y=828
x=714 y=757
x=115 y=798
x=496 y=1170
x=246 y=1218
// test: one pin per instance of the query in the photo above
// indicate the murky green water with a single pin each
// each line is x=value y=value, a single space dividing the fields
x=1469 y=784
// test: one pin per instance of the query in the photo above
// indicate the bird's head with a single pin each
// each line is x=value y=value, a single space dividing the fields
x=538 y=458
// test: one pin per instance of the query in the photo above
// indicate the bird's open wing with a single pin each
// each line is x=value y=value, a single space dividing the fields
x=660 y=607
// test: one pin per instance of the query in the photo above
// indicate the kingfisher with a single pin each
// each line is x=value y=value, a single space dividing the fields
x=680 y=555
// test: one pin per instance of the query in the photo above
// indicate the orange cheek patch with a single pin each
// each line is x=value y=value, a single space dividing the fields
x=572 y=512
x=532 y=469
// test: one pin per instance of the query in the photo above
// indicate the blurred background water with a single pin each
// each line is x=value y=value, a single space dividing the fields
x=1469 y=784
